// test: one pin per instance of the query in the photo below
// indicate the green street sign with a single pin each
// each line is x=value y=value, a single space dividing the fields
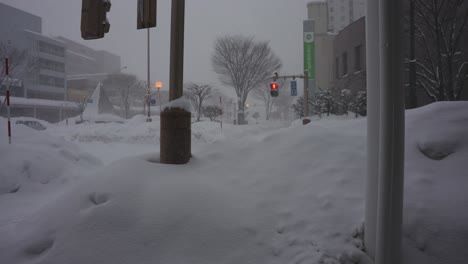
x=309 y=54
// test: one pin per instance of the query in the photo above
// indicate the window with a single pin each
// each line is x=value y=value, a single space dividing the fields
x=51 y=65
x=344 y=60
x=51 y=49
x=332 y=18
x=358 y=57
x=331 y=9
x=337 y=68
x=342 y=18
x=51 y=81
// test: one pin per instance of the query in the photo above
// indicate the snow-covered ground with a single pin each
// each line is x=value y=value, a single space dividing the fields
x=95 y=193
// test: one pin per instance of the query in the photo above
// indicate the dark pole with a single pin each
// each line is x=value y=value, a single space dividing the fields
x=412 y=100
x=175 y=145
x=177 y=50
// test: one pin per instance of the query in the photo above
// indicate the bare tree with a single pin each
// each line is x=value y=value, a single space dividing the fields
x=442 y=68
x=243 y=63
x=212 y=112
x=126 y=88
x=197 y=94
x=20 y=63
x=256 y=115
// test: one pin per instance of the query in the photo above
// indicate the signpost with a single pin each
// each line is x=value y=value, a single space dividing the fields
x=309 y=61
x=153 y=101
x=146 y=18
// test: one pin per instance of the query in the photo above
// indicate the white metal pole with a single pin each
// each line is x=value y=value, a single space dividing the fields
x=392 y=131
x=148 y=119
x=373 y=117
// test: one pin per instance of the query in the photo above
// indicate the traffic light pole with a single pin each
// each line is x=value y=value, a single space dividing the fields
x=306 y=93
x=305 y=76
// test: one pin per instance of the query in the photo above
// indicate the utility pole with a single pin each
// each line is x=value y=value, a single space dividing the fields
x=148 y=91
x=175 y=147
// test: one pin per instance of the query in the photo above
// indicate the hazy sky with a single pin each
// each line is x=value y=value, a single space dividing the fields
x=277 y=21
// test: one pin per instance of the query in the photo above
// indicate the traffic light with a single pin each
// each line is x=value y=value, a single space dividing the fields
x=274 y=89
x=94 y=23
x=146 y=17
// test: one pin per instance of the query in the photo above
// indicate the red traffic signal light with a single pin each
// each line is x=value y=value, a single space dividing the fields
x=273 y=86
x=274 y=89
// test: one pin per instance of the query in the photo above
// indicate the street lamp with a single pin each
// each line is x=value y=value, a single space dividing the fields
x=158 y=86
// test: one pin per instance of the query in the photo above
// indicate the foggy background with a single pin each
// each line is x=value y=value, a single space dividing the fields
x=276 y=21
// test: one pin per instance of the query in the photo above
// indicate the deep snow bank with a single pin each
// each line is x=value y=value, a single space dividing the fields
x=293 y=195
x=36 y=159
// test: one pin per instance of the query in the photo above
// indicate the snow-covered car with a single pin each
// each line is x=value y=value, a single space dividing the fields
x=32 y=124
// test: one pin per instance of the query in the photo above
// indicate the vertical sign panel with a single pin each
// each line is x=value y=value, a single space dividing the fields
x=293 y=88
x=309 y=48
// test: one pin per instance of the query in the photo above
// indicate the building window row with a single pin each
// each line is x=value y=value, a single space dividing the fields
x=45 y=95
x=51 y=49
x=51 y=81
x=51 y=65
x=344 y=62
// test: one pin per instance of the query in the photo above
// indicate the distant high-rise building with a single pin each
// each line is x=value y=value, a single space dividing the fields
x=318 y=11
x=341 y=13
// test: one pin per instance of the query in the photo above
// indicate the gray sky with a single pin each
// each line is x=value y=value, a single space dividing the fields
x=276 y=21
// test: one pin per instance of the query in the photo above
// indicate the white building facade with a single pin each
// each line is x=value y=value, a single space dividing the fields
x=22 y=31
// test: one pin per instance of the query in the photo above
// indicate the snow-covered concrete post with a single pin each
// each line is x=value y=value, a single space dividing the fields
x=373 y=117
x=175 y=147
x=392 y=135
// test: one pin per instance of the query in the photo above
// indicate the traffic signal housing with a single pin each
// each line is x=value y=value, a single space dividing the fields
x=274 y=89
x=147 y=11
x=94 y=23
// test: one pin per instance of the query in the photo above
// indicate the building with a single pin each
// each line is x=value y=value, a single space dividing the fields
x=43 y=69
x=349 y=48
x=341 y=13
x=86 y=67
x=318 y=11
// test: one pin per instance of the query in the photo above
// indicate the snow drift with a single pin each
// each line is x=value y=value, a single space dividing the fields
x=292 y=195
